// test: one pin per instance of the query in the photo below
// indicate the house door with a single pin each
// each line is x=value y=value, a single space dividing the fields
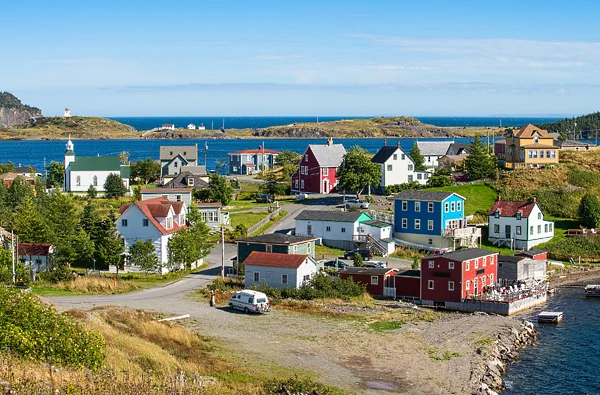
x=309 y=229
x=325 y=186
x=475 y=287
x=508 y=232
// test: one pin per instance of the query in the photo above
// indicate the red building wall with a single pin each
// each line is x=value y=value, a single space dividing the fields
x=542 y=256
x=313 y=181
x=408 y=286
x=375 y=290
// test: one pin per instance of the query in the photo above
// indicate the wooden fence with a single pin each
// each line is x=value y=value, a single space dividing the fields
x=263 y=221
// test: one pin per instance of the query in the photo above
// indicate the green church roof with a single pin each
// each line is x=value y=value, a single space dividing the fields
x=98 y=163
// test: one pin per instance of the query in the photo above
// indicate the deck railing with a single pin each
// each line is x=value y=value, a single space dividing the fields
x=469 y=231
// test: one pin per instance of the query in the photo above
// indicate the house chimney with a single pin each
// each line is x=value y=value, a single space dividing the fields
x=398 y=143
x=499 y=198
x=330 y=141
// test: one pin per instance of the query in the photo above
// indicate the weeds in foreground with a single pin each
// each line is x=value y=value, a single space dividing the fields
x=382 y=326
x=435 y=353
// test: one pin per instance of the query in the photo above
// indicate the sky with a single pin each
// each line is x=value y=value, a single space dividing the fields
x=278 y=58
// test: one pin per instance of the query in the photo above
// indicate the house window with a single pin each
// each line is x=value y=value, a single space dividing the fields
x=467 y=266
x=430 y=284
x=452 y=206
x=325 y=171
x=169 y=222
x=542 y=153
x=190 y=182
x=550 y=227
x=417 y=224
x=429 y=224
x=446 y=207
x=431 y=264
x=491 y=278
x=476 y=264
x=123 y=222
x=492 y=259
x=95 y=181
x=309 y=248
x=301 y=184
x=343 y=230
x=518 y=230
x=518 y=215
x=403 y=156
x=404 y=205
x=419 y=176
x=204 y=217
x=496 y=228
x=296 y=184
x=450 y=285
x=374 y=280
x=145 y=222
x=235 y=168
x=256 y=276
x=395 y=156
x=78 y=181
x=539 y=229
x=531 y=230
x=497 y=213
x=417 y=207
x=483 y=281
x=284 y=279
x=451 y=265
x=269 y=248
x=178 y=198
x=539 y=215
x=410 y=167
x=306 y=157
x=404 y=223
x=410 y=178
x=328 y=229
x=458 y=206
x=175 y=164
x=485 y=260
x=430 y=241
x=430 y=207
x=545 y=228
x=389 y=167
x=468 y=285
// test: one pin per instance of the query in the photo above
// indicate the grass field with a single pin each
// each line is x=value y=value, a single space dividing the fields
x=478 y=197
x=322 y=251
x=246 y=219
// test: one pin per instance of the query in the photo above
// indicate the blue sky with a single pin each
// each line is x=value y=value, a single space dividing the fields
x=227 y=58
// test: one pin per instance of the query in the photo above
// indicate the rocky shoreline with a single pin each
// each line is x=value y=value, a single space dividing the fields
x=486 y=375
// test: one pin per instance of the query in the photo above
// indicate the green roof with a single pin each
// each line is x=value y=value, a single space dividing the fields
x=98 y=163
x=125 y=171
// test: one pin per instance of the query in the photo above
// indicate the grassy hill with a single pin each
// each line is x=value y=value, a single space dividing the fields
x=77 y=127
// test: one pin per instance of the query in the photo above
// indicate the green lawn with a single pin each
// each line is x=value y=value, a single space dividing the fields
x=272 y=222
x=240 y=205
x=322 y=251
x=247 y=219
x=478 y=197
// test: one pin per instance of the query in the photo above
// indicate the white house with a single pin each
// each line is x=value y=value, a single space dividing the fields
x=168 y=126
x=278 y=270
x=81 y=172
x=35 y=256
x=346 y=230
x=433 y=150
x=518 y=224
x=172 y=194
x=153 y=219
x=191 y=126
x=397 y=167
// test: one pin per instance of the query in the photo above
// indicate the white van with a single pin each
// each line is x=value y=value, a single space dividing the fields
x=249 y=300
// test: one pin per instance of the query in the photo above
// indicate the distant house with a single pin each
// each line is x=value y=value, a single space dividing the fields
x=252 y=161
x=500 y=149
x=30 y=171
x=518 y=224
x=513 y=270
x=191 y=126
x=174 y=159
x=275 y=242
x=432 y=220
x=212 y=215
x=528 y=147
x=168 y=126
x=456 y=275
x=35 y=256
x=9 y=178
x=573 y=145
x=378 y=282
x=346 y=230
x=458 y=149
x=186 y=179
x=452 y=162
x=433 y=150
x=397 y=167
x=171 y=194
x=318 y=168
x=83 y=172
x=156 y=220
x=278 y=270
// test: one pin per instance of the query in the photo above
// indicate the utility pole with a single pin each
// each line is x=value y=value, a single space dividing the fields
x=222 y=251
x=12 y=242
x=205 y=151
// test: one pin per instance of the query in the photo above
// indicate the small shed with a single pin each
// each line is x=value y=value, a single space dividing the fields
x=278 y=270
x=515 y=269
x=379 y=281
x=35 y=256
x=408 y=284
x=538 y=255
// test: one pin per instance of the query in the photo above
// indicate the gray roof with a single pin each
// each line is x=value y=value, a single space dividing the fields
x=511 y=258
x=465 y=255
x=277 y=238
x=457 y=148
x=328 y=155
x=181 y=181
x=335 y=216
x=409 y=273
x=385 y=153
x=189 y=152
x=433 y=148
x=424 y=196
x=572 y=143
x=377 y=224
x=532 y=252
x=25 y=170
x=365 y=270
x=197 y=170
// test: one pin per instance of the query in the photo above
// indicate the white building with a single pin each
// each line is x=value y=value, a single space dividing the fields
x=397 y=167
x=67 y=113
x=518 y=224
x=191 y=126
x=81 y=172
x=433 y=150
x=156 y=220
x=278 y=270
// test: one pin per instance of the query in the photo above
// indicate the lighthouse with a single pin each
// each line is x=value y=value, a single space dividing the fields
x=67 y=113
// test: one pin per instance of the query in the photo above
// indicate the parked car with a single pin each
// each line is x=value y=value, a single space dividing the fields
x=250 y=301
x=377 y=264
x=335 y=265
x=364 y=252
x=356 y=204
x=264 y=198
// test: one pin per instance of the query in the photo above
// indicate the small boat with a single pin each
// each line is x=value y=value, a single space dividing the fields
x=551 y=291
x=592 y=291
x=551 y=317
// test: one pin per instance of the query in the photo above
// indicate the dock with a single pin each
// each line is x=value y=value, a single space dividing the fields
x=551 y=317
x=592 y=291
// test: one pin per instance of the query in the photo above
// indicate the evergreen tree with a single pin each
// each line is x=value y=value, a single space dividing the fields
x=29 y=223
x=109 y=245
x=84 y=250
x=479 y=164
x=357 y=171
x=417 y=158
x=358 y=260
x=143 y=255
x=589 y=211
x=113 y=186
x=62 y=217
x=92 y=192
x=56 y=175
x=19 y=190
x=5 y=206
x=137 y=193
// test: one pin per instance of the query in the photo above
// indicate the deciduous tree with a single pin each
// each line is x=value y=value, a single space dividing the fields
x=56 y=174
x=143 y=254
x=219 y=189
x=357 y=171
x=589 y=211
x=288 y=161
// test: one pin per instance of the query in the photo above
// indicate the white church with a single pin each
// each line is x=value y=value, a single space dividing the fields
x=83 y=171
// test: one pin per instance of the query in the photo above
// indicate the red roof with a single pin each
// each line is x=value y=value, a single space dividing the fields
x=157 y=207
x=509 y=208
x=255 y=151
x=272 y=259
x=33 y=249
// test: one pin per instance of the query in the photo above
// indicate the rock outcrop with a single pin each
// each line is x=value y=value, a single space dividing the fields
x=13 y=112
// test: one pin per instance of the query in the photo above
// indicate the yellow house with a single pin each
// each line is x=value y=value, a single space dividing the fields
x=529 y=146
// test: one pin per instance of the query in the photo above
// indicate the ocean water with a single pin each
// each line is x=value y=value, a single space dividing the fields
x=566 y=357
x=147 y=123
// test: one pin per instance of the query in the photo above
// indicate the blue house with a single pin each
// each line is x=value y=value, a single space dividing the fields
x=432 y=220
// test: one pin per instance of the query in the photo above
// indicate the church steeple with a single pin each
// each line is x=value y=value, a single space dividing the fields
x=70 y=147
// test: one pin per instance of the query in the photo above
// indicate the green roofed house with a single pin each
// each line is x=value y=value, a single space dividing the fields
x=346 y=230
x=276 y=242
x=81 y=172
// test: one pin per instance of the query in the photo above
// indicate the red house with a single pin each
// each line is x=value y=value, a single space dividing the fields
x=408 y=284
x=454 y=276
x=376 y=279
x=317 y=169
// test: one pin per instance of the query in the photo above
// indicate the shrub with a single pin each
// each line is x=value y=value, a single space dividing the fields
x=358 y=260
x=582 y=178
x=37 y=332
x=397 y=188
x=439 y=181
x=588 y=248
x=319 y=286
